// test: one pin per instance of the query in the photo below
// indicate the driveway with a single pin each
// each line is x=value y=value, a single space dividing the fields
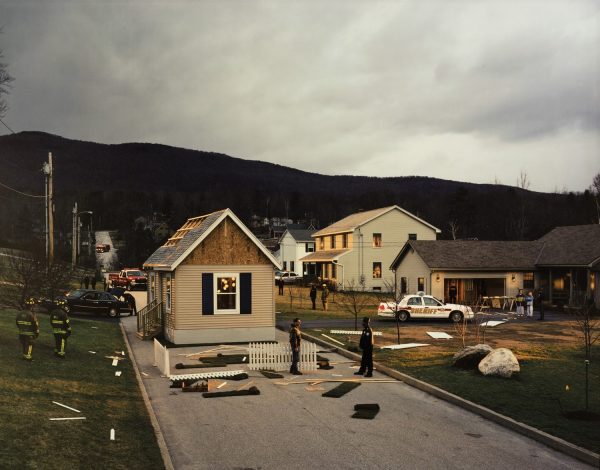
x=290 y=427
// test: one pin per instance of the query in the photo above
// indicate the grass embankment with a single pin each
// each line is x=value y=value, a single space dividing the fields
x=83 y=381
x=551 y=381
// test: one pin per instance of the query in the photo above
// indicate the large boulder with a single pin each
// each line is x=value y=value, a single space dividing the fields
x=471 y=356
x=500 y=362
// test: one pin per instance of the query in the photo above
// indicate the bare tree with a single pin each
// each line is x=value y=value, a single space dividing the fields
x=589 y=326
x=595 y=190
x=523 y=181
x=22 y=277
x=453 y=225
x=5 y=80
x=391 y=298
x=354 y=300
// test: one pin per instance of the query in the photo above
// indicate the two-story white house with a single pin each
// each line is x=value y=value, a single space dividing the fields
x=361 y=247
x=295 y=244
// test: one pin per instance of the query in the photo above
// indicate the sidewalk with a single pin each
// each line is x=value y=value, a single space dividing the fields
x=290 y=427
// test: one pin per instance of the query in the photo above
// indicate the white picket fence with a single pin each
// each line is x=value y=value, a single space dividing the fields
x=161 y=358
x=278 y=356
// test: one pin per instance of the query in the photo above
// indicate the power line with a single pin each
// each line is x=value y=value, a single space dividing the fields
x=20 y=192
x=6 y=125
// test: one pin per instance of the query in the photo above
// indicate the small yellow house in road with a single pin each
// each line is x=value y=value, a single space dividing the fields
x=212 y=282
x=360 y=248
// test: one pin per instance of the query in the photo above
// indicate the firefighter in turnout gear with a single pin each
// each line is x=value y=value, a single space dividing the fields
x=61 y=327
x=29 y=328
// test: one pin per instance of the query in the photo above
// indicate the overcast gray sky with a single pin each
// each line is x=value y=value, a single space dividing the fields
x=469 y=90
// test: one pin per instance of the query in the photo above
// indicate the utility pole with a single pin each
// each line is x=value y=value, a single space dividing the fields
x=47 y=169
x=74 y=237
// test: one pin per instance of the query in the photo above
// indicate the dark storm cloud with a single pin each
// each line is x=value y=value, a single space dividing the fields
x=377 y=88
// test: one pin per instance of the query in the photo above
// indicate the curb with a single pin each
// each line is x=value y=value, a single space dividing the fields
x=160 y=439
x=553 y=442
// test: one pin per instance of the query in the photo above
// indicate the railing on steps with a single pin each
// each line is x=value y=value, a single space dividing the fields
x=150 y=320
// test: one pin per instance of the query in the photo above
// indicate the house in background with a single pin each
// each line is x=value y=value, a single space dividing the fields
x=212 y=282
x=565 y=263
x=360 y=248
x=294 y=244
x=475 y=268
x=568 y=266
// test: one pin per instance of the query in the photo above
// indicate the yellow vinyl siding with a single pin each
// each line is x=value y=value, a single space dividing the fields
x=188 y=291
x=413 y=267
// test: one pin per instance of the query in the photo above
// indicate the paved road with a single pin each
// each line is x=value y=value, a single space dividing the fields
x=109 y=259
x=289 y=427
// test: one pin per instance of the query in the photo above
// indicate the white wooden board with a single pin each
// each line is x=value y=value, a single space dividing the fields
x=493 y=322
x=439 y=335
x=404 y=346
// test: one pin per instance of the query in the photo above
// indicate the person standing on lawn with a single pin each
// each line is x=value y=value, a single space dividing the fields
x=295 y=340
x=313 y=296
x=520 y=303
x=540 y=300
x=366 y=344
x=325 y=297
x=29 y=328
x=529 y=304
x=280 y=284
x=61 y=327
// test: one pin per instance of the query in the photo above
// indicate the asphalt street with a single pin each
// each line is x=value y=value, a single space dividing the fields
x=293 y=428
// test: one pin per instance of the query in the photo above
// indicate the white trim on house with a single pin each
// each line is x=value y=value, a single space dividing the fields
x=221 y=311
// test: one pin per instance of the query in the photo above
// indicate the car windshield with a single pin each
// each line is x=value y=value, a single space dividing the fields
x=135 y=273
x=76 y=293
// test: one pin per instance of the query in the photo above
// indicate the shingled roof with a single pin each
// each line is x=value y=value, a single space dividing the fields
x=574 y=245
x=474 y=254
x=348 y=224
x=190 y=235
x=301 y=235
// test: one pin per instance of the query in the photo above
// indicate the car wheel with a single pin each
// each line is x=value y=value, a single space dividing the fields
x=113 y=312
x=402 y=315
x=456 y=316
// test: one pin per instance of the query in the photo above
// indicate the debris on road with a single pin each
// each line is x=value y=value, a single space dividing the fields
x=366 y=411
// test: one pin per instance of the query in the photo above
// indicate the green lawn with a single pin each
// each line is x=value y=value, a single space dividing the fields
x=82 y=380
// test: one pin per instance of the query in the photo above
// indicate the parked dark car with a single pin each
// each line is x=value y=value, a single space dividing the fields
x=96 y=302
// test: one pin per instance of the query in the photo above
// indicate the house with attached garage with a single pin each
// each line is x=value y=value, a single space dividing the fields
x=564 y=264
x=211 y=282
x=360 y=248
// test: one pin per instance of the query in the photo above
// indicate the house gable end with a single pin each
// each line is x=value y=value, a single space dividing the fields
x=226 y=244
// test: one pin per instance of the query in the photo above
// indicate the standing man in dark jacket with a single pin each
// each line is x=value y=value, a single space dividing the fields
x=29 y=328
x=130 y=299
x=313 y=296
x=61 y=327
x=366 y=344
x=295 y=339
x=280 y=284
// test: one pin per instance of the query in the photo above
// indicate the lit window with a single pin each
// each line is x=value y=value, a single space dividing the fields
x=226 y=293
x=377 y=270
x=377 y=240
x=421 y=284
x=321 y=243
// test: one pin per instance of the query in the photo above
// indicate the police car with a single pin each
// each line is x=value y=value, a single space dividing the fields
x=423 y=306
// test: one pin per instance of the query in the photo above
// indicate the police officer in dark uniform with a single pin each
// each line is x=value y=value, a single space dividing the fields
x=295 y=339
x=29 y=328
x=130 y=299
x=61 y=327
x=366 y=344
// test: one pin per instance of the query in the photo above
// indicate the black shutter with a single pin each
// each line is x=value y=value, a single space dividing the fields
x=246 y=293
x=207 y=294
